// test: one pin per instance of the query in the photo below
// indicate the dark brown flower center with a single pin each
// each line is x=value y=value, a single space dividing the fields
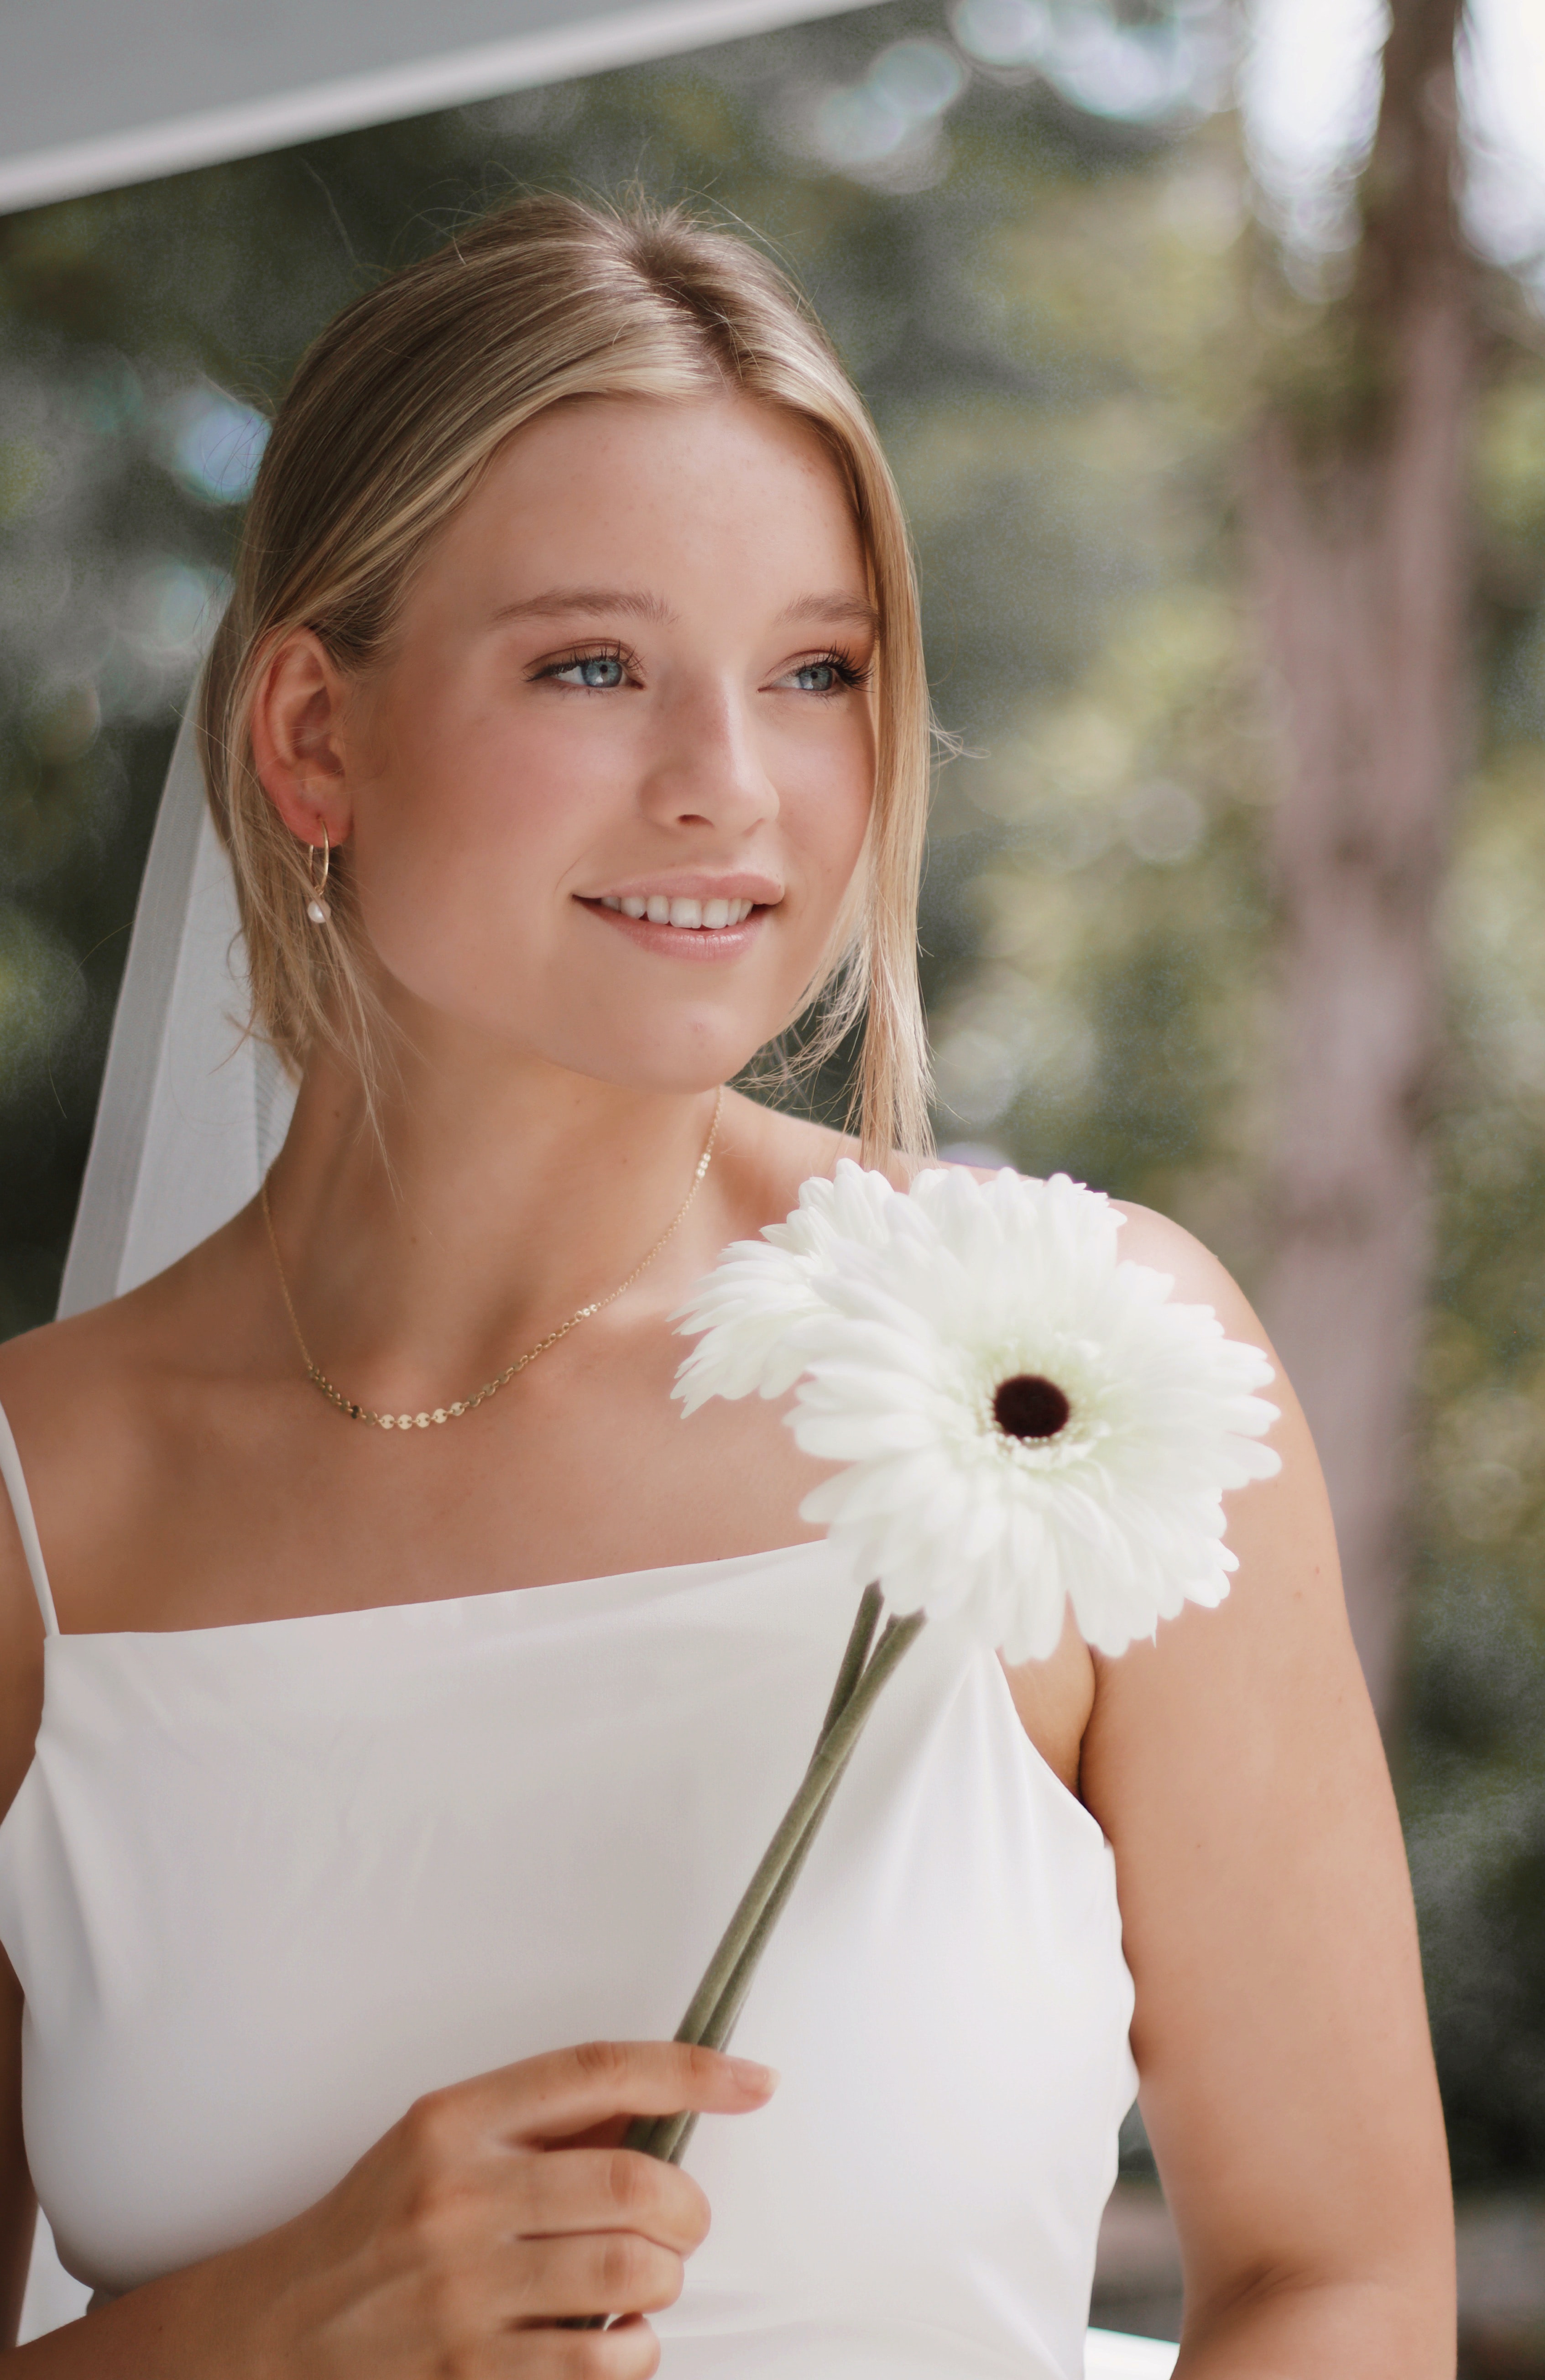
x=1028 y=1406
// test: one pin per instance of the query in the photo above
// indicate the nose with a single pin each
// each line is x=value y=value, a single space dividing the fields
x=706 y=768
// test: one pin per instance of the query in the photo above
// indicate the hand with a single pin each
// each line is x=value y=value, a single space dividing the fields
x=461 y=2241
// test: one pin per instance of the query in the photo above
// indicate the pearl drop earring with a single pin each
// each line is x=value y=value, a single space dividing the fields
x=317 y=909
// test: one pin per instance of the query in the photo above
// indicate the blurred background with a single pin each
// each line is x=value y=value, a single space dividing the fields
x=1209 y=345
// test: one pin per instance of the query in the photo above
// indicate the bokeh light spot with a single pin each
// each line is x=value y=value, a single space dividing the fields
x=214 y=444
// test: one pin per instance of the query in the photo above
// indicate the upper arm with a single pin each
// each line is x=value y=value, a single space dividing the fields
x=21 y=1634
x=21 y=1708
x=18 y=2204
x=1280 y=2030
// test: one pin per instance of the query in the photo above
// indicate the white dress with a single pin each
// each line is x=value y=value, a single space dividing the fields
x=264 y=1885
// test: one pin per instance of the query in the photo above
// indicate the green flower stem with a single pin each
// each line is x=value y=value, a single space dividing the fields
x=669 y=2135
x=859 y=1640
x=831 y=1753
x=666 y=2136
x=719 y=1997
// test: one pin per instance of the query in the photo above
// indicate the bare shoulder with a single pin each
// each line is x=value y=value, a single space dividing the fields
x=1284 y=1618
x=61 y=1384
x=1154 y=1240
x=49 y=1381
x=72 y=1393
x=95 y=1403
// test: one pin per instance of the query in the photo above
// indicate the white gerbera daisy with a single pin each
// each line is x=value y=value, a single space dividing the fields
x=761 y=1294
x=1024 y=1420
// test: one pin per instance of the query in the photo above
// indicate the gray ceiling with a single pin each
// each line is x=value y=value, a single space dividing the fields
x=95 y=93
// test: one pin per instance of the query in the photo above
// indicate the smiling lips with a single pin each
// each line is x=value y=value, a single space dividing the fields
x=681 y=912
x=703 y=926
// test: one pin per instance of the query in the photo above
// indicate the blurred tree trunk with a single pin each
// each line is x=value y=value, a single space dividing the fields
x=1356 y=501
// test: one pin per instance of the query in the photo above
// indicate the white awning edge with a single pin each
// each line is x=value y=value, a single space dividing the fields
x=145 y=153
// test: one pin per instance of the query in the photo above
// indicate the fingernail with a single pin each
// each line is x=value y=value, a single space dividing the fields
x=752 y=2077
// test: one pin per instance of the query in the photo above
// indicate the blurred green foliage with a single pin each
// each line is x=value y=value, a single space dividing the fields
x=1476 y=1786
x=1059 y=315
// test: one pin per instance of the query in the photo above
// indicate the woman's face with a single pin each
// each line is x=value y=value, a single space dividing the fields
x=608 y=794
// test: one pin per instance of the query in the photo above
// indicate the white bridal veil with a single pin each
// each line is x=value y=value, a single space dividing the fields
x=190 y=1111
x=189 y=1115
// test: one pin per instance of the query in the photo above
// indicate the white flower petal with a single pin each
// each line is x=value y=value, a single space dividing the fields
x=898 y=1314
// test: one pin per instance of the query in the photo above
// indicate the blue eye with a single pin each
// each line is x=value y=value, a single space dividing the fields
x=604 y=670
x=828 y=674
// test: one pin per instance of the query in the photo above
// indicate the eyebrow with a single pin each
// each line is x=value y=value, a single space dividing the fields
x=831 y=610
x=594 y=603
x=597 y=603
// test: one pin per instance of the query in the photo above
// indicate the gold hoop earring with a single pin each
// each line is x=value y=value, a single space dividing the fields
x=317 y=908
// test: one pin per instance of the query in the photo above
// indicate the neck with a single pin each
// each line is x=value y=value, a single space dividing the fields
x=476 y=1214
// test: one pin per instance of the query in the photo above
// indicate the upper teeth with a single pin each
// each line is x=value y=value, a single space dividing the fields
x=661 y=911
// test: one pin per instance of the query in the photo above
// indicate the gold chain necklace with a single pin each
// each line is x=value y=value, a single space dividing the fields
x=319 y=1379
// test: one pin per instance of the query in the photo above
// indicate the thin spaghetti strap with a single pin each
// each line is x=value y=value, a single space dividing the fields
x=27 y=1528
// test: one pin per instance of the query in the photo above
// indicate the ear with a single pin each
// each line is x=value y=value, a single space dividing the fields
x=298 y=740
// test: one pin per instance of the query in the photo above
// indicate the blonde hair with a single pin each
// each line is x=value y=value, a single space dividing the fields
x=393 y=413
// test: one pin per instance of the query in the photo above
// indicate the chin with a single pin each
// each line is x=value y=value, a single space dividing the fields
x=660 y=1073
x=669 y=1055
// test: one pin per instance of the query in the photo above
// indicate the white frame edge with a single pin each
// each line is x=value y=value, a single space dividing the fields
x=386 y=94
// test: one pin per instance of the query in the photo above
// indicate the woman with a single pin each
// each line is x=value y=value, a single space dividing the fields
x=567 y=731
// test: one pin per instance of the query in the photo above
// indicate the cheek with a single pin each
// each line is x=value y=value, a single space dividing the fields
x=458 y=845
x=825 y=810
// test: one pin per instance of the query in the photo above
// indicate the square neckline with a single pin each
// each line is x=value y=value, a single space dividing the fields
x=689 y=1574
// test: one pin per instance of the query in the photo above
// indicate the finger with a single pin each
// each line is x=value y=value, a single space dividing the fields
x=541 y=2281
x=628 y=2350
x=568 y=2089
x=606 y=2190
